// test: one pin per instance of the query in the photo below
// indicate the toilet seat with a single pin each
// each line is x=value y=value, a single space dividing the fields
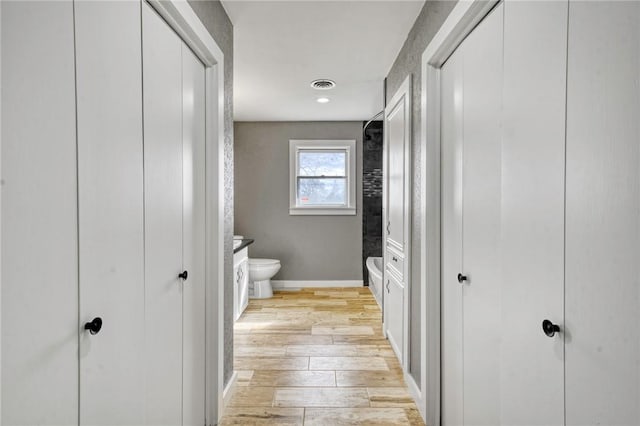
x=263 y=262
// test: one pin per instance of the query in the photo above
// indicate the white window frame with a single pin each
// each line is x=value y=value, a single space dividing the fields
x=297 y=145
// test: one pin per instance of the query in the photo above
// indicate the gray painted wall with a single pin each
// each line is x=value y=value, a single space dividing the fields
x=408 y=62
x=309 y=247
x=217 y=22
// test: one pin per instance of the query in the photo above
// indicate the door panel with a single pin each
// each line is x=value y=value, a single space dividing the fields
x=482 y=327
x=451 y=204
x=395 y=316
x=602 y=326
x=109 y=86
x=163 y=151
x=396 y=173
x=39 y=215
x=193 y=166
x=533 y=212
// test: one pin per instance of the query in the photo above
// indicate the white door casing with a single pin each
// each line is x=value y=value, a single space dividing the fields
x=111 y=212
x=397 y=217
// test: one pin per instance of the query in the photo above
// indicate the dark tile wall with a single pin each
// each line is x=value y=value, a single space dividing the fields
x=371 y=194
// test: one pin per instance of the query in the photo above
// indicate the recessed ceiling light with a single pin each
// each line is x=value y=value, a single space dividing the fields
x=322 y=100
x=323 y=84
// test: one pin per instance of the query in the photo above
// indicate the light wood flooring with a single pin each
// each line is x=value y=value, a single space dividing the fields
x=317 y=357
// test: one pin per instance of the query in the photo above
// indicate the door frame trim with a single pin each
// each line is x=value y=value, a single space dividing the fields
x=183 y=20
x=462 y=20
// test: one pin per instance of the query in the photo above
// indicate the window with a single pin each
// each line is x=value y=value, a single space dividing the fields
x=322 y=177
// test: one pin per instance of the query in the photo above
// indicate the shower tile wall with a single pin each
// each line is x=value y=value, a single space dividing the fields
x=371 y=194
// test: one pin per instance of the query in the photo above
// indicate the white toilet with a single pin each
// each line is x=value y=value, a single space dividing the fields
x=260 y=273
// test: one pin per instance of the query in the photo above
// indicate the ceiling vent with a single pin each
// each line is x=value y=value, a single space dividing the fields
x=323 y=84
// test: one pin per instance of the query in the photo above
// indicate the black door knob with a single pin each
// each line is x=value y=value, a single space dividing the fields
x=462 y=278
x=94 y=326
x=549 y=328
x=183 y=275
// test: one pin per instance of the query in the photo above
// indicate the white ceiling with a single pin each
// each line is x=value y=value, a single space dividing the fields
x=281 y=46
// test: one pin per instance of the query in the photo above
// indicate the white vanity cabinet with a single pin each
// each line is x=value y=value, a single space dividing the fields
x=240 y=282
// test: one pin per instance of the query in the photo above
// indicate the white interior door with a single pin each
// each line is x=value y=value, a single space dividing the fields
x=482 y=327
x=394 y=322
x=39 y=215
x=533 y=212
x=395 y=174
x=602 y=326
x=111 y=211
x=193 y=194
x=451 y=204
x=163 y=151
x=471 y=94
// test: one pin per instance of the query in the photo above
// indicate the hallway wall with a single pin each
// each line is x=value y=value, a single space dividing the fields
x=429 y=21
x=309 y=247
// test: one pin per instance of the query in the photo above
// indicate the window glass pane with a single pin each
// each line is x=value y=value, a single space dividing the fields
x=322 y=191
x=322 y=163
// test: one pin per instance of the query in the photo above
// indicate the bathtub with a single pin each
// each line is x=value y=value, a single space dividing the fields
x=374 y=266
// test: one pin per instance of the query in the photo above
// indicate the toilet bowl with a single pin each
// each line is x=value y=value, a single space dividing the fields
x=260 y=273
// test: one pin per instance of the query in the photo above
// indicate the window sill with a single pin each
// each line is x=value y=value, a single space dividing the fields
x=310 y=211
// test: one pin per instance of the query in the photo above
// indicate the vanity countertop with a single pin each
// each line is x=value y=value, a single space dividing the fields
x=244 y=243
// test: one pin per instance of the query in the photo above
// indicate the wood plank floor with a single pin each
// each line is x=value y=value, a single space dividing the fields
x=317 y=357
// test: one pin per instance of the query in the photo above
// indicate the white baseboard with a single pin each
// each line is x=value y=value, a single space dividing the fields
x=416 y=395
x=227 y=393
x=294 y=284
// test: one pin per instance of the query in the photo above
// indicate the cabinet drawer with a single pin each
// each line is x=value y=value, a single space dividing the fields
x=395 y=261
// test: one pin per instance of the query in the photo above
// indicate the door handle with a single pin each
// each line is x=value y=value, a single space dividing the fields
x=549 y=328
x=94 y=326
x=388 y=291
x=388 y=230
x=462 y=278
x=183 y=275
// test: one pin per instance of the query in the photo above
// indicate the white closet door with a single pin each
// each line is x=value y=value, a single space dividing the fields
x=451 y=205
x=110 y=172
x=395 y=318
x=397 y=261
x=602 y=326
x=396 y=140
x=193 y=194
x=482 y=326
x=162 y=82
x=39 y=215
x=533 y=212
